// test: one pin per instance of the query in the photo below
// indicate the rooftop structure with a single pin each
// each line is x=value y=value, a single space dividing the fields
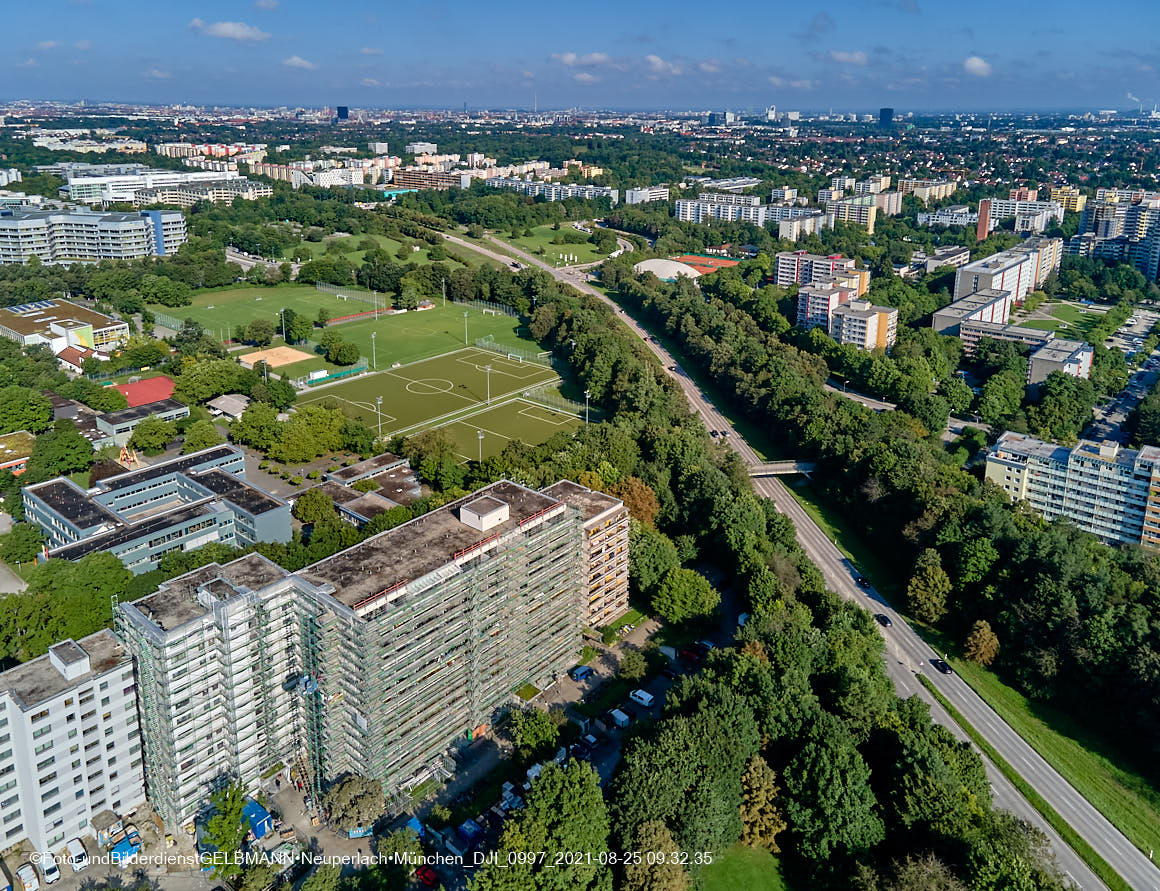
x=61 y=324
x=120 y=424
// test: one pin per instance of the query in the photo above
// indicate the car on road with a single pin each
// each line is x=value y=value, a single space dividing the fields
x=26 y=875
x=78 y=858
x=427 y=876
x=883 y=620
x=861 y=582
x=580 y=672
x=714 y=433
x=942 y=666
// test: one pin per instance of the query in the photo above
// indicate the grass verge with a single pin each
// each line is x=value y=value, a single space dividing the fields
x=1094 y=861
x=753 y=869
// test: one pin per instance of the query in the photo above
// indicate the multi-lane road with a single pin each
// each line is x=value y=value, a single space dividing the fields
x=907 y=654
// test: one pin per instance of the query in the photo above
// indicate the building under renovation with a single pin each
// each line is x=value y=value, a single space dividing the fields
x=374 y=661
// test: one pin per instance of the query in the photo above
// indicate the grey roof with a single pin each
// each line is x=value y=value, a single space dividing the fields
x=38 y=680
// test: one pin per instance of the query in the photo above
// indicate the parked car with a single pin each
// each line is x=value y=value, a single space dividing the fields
x=26 y=875
x=589 y=740
x=691 y=655
x=427 y=876
x=78 y=858
x=669 y=672
x=883 y=620
x=49 y=870
x=942 y=666
x=642 y=697
x=580 y=672
x=704 y=644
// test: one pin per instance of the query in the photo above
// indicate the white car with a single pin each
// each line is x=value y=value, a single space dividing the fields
x=642 y=697
x=49 y=870
x=78 y=858
x=27 y=877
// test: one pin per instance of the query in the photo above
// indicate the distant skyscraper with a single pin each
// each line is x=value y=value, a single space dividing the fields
x=771 y=113
x=886 y=117
x=343 y=112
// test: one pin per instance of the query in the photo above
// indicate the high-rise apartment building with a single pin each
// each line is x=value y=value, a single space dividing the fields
x=1019 y=270
x=646 y=194
x=214 y=191
x=818 y=300
x=859 y=209
x=605 y=549
x=81 y=234
x=1071 y=198
x=861 y=324
x=1103 y=488
x=70 y=743
x=926 y=190
x=375 y=660
x=802 y=268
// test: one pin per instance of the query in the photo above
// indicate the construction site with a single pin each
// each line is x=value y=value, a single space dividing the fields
x=377 y=660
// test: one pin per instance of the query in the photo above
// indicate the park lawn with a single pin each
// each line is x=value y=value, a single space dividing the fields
x=1044 y=324
x=224 y=311
x=1125 y=797
x=539 y=244
x=741 y=867
x=309 y=250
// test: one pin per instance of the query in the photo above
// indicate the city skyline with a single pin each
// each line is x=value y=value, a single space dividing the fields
x=902 y=53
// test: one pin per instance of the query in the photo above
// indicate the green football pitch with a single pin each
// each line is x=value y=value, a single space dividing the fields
x=398 y=338
x=456 y=391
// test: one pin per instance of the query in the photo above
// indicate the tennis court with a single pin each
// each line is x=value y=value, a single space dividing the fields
x=432 y=391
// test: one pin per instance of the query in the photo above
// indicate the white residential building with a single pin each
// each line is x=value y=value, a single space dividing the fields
x=955 y=215
x=9 y=176
x=1020 y=270
x=124 y=188
x=421 y=148
x=861 y=324
x=646 y=194
x=70 y=743
x=554 y=191
x=81 y=234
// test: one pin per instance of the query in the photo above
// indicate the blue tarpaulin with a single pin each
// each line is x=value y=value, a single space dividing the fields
x=258 y=818
x=123 y=850
x=414 y=823
x=470 y=831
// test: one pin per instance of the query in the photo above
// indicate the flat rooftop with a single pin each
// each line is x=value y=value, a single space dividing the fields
x=16 y=445
x=385 y=461
x=140 y=412
x=1059 y=350
x=178 y=465
x=35 y=318
x=1030 y=447
x=419 y=547
x=73 y=503
x=973 y=302
x=175 y=602
x=589 y=503
x=126 y=533
x=38 y=680
x=248 y=497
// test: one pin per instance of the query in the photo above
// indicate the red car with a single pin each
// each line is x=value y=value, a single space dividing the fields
x=427 y=876
x=692 y=655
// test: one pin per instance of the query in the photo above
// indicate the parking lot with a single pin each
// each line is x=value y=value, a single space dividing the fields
x=1111 y=417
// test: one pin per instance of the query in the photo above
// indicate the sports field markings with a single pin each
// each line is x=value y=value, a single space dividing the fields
x=505 y=367
x=429 y=386
x=533 y=412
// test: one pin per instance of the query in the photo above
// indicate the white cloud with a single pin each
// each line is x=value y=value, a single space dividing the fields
x=267 y=4
x=572 y=59
x=777 y=81
x=369 y=82
x=83 y=44
x=299 y=62
x=157 y=74
x=855 y=57
x=46 y=45
x=228 y=30
x=371 y=51
x=657 y=65
x=584 y=77
x=802 y=84
x=27 y=63
x=977 y=66
x=708 y=66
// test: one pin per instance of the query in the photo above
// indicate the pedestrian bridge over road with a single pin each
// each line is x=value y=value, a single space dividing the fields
x=782 y=468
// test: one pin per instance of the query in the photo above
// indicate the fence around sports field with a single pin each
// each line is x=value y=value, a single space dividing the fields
x=304 y=383
x=546 y=396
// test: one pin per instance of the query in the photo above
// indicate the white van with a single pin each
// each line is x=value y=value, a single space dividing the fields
x=642 y=697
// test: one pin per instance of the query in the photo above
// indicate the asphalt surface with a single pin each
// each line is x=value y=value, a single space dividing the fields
x=907 y=654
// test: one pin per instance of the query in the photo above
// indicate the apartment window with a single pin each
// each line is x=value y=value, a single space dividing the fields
x=15 y=830
x=40 y=716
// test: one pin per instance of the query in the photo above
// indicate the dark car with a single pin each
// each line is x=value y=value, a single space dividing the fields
x=579 y=751
x=669 y=672
x=691 y=655
x=427 y=876
x=942 y=666
x=883 y=620
x=862 y=583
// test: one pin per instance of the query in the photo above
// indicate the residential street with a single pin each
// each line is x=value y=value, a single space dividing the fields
x=907 y=653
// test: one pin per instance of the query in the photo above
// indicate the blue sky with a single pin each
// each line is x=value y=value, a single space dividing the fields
x=911 y=54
